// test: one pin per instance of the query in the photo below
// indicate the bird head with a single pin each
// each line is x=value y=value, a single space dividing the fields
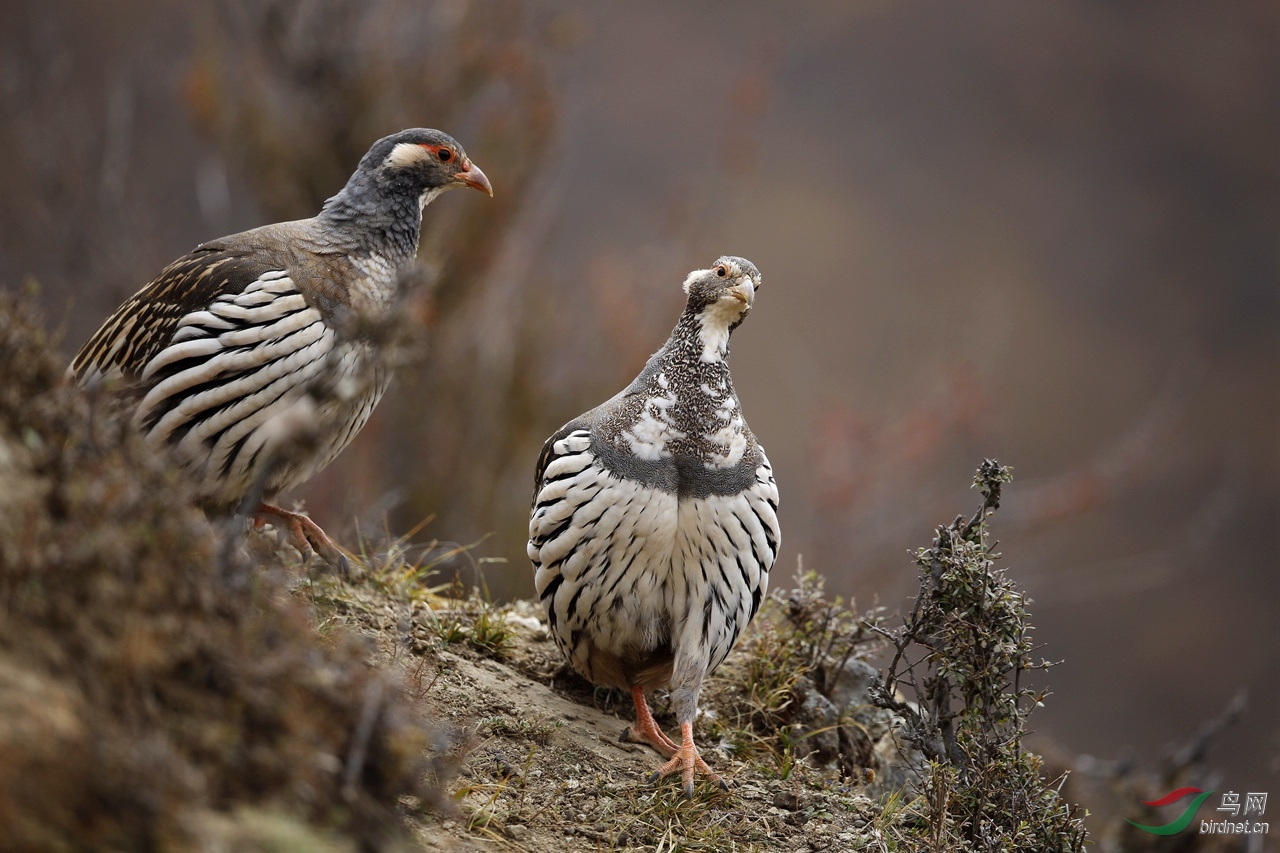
x=723 y=293
x=421 y=162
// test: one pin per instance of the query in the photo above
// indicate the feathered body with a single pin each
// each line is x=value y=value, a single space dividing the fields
x=230 y=337
x=654 y=524
x=224 y=340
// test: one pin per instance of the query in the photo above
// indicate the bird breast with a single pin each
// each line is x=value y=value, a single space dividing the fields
x=628 y=571
x=654 y=428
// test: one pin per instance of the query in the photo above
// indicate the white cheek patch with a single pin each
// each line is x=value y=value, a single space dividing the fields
x=688 y=280
x=407 y=154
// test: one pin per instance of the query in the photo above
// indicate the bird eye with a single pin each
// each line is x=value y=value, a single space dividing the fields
x=445 y=155
x=721 y=271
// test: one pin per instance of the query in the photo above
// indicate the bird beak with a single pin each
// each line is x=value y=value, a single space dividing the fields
x=744 y=293
x=473 y=177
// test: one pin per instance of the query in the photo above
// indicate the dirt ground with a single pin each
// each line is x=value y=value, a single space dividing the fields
x=540 y=766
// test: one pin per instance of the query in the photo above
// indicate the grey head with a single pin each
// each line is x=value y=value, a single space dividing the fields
x=401 y=174
x=721 y=296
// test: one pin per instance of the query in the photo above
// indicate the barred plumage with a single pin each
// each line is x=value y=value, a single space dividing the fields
x=654 y=522
x=228 y=342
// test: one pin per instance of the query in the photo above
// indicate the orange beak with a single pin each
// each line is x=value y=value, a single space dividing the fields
x=473 y=177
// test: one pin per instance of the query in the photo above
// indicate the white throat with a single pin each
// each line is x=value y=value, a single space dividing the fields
x=713 y=327
x=430 y=195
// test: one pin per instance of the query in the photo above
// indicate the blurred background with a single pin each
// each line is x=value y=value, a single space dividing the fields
x=1046 y=233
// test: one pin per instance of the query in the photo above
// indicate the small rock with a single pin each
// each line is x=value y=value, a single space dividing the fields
x=788 y=800
x=502 y=769
x=517 y=831
x=817 y=717
x=896 y=762
x=848 y=686
x=529 y=623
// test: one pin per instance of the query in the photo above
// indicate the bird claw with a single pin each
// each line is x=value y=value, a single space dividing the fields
x=687 y=760
x=688 y=785
x=656 y=776
x=305 y=536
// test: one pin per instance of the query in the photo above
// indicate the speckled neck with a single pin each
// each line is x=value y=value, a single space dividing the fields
x=681 y=409
x=378 y=219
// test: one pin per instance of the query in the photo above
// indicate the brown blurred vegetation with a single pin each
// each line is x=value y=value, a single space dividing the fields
x=1045 y=232
x=160 y=689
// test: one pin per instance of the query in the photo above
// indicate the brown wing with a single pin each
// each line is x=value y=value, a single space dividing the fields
x=147 y=321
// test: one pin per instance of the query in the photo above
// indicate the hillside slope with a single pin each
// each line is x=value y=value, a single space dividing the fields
x=538 y=761
x=173 y=683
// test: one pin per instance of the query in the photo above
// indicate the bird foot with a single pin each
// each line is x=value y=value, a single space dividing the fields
x=652 y=735
x=688 y=761
x=646 y=729
x=305 y=535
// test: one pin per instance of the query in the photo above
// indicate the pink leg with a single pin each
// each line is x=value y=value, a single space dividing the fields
x=686 y=760
x=646 y=729
x=304 y=534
